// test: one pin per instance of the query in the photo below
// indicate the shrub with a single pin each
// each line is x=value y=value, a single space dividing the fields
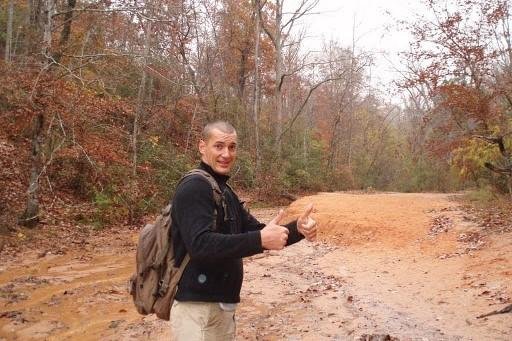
x=73 y=174
x=482 y=195
x=103 y=203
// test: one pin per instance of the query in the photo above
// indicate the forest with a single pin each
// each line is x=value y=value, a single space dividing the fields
x=102 y=104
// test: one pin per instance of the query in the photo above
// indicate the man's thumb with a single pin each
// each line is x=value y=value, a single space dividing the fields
x=307 y=211
x=278 y=217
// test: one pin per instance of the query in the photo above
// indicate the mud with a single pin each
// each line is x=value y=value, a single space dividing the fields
x=386 y=267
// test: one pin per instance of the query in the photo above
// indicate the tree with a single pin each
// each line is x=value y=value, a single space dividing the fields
x=30 y=216
x=257 y=91
x=460 y=62
x=8 y=36
x=280 y=35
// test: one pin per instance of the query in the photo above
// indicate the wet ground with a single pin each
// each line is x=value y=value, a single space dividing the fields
x=411 y=266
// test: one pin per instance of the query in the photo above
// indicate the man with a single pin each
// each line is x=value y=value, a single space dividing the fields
x=209 y=288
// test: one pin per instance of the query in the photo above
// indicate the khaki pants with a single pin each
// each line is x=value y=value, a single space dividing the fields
x=201 y=321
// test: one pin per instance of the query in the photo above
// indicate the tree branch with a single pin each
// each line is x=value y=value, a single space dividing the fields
x=303 y=104
x=495 y=140
x=500 y=170
x=265 y=28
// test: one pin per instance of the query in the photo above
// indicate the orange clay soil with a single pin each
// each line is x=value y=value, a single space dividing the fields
x=411 y=266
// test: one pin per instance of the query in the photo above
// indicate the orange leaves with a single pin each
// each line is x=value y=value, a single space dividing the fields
x=465 y=103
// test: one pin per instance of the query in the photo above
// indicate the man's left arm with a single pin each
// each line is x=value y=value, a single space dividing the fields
x=294 y=236
x=250 y=223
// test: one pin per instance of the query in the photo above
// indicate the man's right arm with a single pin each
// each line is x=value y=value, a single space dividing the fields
x=193 y=212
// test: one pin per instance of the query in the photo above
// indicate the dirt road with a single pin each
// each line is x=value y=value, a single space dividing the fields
x=411 y=266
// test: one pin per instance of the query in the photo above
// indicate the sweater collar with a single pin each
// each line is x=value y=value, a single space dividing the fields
x=220 y=178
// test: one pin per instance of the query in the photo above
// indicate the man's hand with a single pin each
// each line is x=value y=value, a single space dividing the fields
x=307 y=225
x=274 y=236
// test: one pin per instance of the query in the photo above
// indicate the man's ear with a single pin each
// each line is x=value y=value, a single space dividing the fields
x=202 y=147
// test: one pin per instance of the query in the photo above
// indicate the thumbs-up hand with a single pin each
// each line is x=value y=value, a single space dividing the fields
x=274 y=236
x=307 y=225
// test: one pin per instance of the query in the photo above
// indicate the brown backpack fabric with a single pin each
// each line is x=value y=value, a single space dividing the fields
x=153 y=285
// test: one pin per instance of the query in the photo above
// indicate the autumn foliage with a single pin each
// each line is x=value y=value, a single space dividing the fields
x=101 y=110
x=458 y=72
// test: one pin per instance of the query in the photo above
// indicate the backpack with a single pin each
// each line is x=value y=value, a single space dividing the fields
x=154 y=284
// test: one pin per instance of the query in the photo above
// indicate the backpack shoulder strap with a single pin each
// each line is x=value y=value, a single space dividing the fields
x=217 y=193
x=229 y=186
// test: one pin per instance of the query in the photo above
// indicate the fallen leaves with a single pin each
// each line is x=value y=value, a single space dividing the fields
x=493 y=218
x=440 y=224
x=15 y=315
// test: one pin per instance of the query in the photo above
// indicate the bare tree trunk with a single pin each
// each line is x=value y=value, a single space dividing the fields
x=66 y=29
x=332 y=161
x=307 y=128
x=256 y=102
x=189 y=134
x=34 y=11
x=279 y=75
x=30 y=216
x=349 y=147
x=149 y=91
x=82 y=49
x=47 y=33
x=351 y=93
x=8 y=37
x=140 y=96
x=14 y=48
x=193 y=78
x=242 y=70
x=305 y=147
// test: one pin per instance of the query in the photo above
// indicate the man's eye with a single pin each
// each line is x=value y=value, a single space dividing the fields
x=232 y=148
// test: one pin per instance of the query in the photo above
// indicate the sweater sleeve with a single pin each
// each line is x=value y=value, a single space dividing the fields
x=250 y=223
x=193 y=208
x=294 y=236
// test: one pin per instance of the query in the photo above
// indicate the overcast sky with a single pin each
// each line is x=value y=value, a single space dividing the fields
x=374 y=29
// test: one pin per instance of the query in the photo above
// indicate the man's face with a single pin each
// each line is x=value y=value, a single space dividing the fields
x=219 y=152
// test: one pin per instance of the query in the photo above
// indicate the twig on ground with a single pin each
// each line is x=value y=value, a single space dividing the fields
x=507 y=309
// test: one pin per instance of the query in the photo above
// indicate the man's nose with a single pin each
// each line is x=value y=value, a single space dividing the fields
x=225 y=152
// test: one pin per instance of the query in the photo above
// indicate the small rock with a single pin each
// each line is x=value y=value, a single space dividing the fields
x=115 y=324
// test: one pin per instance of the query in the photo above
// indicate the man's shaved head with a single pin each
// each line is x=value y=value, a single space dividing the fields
x=223 y=126
x=218 y=146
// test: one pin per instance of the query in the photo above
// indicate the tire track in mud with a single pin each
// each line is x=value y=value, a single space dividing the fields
x=290 y=297
x=287 y=290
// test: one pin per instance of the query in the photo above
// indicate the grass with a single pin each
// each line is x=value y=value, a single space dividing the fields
x=483 y=196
